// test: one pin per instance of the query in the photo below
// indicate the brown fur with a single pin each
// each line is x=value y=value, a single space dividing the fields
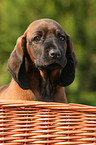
x=28 y=63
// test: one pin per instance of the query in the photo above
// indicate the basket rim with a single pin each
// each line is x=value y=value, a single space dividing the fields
x=46 y=103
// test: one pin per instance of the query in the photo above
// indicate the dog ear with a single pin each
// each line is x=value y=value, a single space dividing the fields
x=68 y=73
x=16 y=63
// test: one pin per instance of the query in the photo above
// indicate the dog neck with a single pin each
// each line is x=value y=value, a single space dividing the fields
x=48 y=85
x=43 y=83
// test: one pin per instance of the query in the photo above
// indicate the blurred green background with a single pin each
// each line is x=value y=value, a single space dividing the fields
x=77 y=17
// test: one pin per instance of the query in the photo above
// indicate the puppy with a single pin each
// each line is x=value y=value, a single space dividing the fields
x=41 y=64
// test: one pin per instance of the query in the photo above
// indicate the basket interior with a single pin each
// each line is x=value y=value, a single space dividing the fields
x=41 y=123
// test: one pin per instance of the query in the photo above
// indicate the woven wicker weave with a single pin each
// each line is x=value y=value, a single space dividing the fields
x=39 y=123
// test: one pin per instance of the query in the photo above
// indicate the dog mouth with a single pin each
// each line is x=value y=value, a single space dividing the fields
x=51 y=66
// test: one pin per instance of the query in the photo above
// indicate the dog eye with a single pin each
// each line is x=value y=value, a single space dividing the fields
x=37 y=38
x=62 y=37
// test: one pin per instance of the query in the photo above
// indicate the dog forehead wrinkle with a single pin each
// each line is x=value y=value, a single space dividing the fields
x=45 y=29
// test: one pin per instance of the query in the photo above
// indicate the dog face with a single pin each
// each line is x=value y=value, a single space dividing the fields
x=46 y=45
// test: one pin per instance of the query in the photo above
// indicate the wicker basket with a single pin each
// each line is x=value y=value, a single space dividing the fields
x=40 y=123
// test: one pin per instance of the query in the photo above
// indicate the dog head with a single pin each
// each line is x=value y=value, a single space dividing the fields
x=45 y=44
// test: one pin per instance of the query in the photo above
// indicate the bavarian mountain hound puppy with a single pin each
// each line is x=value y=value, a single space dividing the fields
x=41 y=64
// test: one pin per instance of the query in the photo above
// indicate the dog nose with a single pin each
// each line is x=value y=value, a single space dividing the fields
x=54 y=53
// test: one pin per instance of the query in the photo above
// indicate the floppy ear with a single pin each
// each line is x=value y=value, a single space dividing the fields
x=68 y=73
x=16 y=63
